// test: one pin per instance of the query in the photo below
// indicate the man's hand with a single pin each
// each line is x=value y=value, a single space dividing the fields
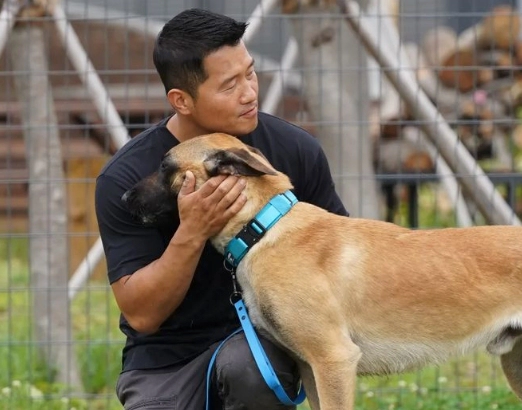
x=206 y=211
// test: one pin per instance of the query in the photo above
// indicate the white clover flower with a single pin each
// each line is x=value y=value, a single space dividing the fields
x=363 y=387
x=6 y=391
x=16 y=383
x=370 y=394
x=414 y=387
x=442 y=379
x=402 y=383
x=35 y=393
x=423 y=391
x=494 y=406
x=486 y=389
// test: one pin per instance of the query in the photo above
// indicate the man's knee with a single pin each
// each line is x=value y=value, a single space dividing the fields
x=239 y=382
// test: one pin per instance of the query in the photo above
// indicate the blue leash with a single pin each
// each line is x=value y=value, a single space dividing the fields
x=262 y=361
x=211 y=364
x=236 y=249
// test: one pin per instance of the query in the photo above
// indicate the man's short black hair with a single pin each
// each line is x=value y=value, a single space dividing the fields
x=186 y=40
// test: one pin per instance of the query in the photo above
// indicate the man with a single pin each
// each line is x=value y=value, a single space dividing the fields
x=169 y=283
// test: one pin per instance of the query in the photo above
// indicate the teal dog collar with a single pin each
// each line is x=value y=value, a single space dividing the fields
x=253 y=231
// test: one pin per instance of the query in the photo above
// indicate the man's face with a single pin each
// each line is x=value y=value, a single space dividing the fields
x=227 y=100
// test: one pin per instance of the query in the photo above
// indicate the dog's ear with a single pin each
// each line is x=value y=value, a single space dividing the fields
x=236 y=161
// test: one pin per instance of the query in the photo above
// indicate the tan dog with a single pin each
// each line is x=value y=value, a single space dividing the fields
x=352 y=296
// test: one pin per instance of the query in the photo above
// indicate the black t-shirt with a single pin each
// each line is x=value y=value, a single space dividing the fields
x=205 y=316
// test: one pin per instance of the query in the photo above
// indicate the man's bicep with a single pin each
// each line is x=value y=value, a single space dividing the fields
x=128 y=245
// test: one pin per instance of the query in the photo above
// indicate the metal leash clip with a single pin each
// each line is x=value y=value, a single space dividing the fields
x=236 y=294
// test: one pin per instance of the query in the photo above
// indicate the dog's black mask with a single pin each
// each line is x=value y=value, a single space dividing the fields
x=151 y=201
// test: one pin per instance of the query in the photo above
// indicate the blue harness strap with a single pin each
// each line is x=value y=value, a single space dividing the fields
x=260 y=357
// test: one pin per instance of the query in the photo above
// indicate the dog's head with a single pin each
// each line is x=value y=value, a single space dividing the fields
x=206 y=156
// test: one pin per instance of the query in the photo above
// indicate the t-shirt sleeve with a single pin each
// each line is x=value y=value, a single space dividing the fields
x=128 y=245
x=319 y=187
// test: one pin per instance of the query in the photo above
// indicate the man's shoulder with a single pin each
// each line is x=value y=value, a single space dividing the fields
x=285 y=132
x=273 y=121
x=142 y=154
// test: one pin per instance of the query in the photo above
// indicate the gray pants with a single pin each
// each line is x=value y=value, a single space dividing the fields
x=236 y=382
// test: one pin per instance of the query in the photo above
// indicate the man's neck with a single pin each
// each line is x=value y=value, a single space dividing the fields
x=183 y=130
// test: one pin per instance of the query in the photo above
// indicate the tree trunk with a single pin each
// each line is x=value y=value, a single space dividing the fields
x=336 y=89
x=47 y=205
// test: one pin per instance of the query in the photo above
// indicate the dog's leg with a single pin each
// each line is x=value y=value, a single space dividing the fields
x=334 y=370
x=307 y=377
x=512 y=366
x=315 y=329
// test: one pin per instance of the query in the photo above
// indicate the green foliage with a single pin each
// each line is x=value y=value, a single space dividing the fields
x=26 y=382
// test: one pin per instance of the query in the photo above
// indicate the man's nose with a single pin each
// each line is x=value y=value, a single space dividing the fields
x=250 y=92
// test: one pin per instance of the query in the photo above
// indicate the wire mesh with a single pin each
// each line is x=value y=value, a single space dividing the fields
x=314 y=72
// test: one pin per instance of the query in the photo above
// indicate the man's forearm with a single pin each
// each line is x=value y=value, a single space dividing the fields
x=149 y=296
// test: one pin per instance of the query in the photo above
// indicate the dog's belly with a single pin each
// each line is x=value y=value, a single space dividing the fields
x=385 y=357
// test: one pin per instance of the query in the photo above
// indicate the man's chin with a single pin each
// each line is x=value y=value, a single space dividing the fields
x=247 y=129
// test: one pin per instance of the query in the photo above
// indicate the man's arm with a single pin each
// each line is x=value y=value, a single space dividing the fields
x=151 y=294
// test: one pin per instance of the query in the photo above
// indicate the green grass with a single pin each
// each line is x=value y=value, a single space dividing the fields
x=474 y=382
x=25 y=382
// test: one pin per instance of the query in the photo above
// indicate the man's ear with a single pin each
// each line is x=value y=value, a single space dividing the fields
x=236 y=161
x=180 y=101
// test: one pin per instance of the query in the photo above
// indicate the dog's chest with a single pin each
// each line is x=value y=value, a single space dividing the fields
x=251 y=299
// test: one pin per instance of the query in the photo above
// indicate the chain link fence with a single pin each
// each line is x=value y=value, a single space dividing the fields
x=416 y=103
